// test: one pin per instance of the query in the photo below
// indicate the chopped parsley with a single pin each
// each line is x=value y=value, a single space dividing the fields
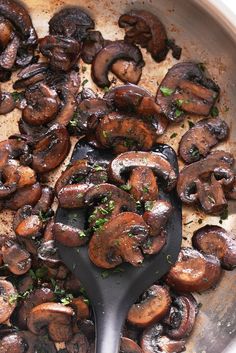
x=97 y=168
x=126 y=187
x=84 y=82
x=106 y=89
x=178 y=112
x=82 y=234
x=16 y=96
x=173 y=135
x=194 y=152
x=224 y=215
x=105 y=274
x=84 y=69
x=214 y=112
x=99 y=223
x=166 y=91
x=190 y=124
x=67 y=299
x=44 y=216
x=148 y=205
x=145 y=189
x=74 y=120
x=179 y=102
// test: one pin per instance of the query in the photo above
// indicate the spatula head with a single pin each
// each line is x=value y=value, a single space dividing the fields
x=126 y=282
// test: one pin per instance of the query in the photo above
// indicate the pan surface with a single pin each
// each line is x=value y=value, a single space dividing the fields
x=206 y=36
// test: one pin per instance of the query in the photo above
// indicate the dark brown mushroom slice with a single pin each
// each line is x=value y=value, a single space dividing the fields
x=215 y=240
x=185 y=89
x=156 y=215
x=55 y=318
x=118 y=241
x=92 y=44
x=143 y=184
x=13 y=148
x=50 y=151
x=181 y=317
x=31 y=75
x=7 y=103
x=198 y=140
x=7 y=290
x=194 y=272
x=106 y=57
x=153 y=341
x=231 y=191
x=6 y=30
x=205 y=181
x=26 y=224
x=36 y=297
x=8 y=56
x=48 y=253
x=152 y=307
x=62 y=52
x=44 y=203
x=144 y=28
x=153 y=245
x=28 y=195
x=78 y=344
x=9 y=180
x=13 y=343
x=37 y=343
x=16 y=258
x=27 y=176
x=72 y=196
x=129 y=346
x=80 y=307
x=127 y=71
x=68 y=109
x=68 y=235
x=71 y=22
x=156 y=161
x=42 y=106
x=124 y=132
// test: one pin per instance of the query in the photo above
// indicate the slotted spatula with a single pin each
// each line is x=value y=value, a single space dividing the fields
x=112 y=292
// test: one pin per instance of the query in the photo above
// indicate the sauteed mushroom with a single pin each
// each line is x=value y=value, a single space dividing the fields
x=194 y=271
x=80 y=307
x=143 y=184
x=28 y=195
x=154 y=244
x=68 y=235
x=156 y=215
x=6 y=29
x=9 y=179
x=92 y=44
x=156 y=161
x=127 y=71
x=78 y=344
x=6 y=307
x=129 y=346
x=144 y=28
x=8 y=56
x=13 y=148
x=31 y=75
x=16 y=258
x=71 y=22
x=13 y=343
x=123 y=132
x=215 y=240
x=119 y=241
x=108 y=55
x=198 y=140
x=152 y=307
x=186 y=89
x=47 y=252
x=205 y=181
x=7 y=103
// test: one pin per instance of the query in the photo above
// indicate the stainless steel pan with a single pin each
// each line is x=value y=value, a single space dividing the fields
x=207 y=33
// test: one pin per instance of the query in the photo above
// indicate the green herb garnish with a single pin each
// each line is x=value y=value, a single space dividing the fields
x=84 y=82
x=105 y=274
x=194 y=152
x=214 y=112
x=166 y=91
x=148 y=205
x=173 y=135
x=106 y=89
x=16 y=96
x=126 y=187
x=190 y=124
x=178 y=112
x=99 y=223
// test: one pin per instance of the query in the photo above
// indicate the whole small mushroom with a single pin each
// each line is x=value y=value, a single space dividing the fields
x=7 y=292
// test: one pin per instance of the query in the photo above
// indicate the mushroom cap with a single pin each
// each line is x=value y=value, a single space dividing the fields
x=129 y=346
x=16 y=257
x=7 y=290
x=13 y=343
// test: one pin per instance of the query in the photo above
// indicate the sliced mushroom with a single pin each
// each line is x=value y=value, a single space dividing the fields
x=129 y=346
x=26 y=224
x=48 y=253
x=8 y=56
x=71 y=22
x=6 y=30
x=144 y=28
x=68 y=235
x=124 y=132
x=7 y=103
x=198 y=140
x=31 y=75
x=92 y=44
x=152 y=341
x=62 y=52
x=27 y=176
x=194 y=271
x=185 y=89
x=13 y=343
x=127 y=71
x=153 y=245
x=28 y=195
x=37 y=343
x=42 y=105
x=13 y=148
x=80 y=307
x=9 y=179
x=44 y=203
x=54 y=318
x=50 y=151
x=205 y=181
x=215 y=240
x=127 y=161
x=16 y=258
x=156 y=215
x=78 y=344
x=181 y=317
x=6 y=307
x=36 y=297
x=143 y=184
x=119 y=241
x=106 y=57
x=152 y=307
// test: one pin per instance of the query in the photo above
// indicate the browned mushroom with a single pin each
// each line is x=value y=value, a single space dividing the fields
x=8 y=56
x=231 y=191
x=36 y=297
x=68 y=235
x=152 y=341
x=80 y=307
x=143 y=184
x=63 y=52
x=156 y=161
x=129 y=346
x=127 y=71
x=51 y=149
x=215 y=240
x=28 y=195
x=124 y=132
x=9 y=179
x=27 y=176
x=13 y=148
x=37 y=344
x=205 y=181
x=144 y=28
x=181 y=317
x=118 y=240
x=185 y=89
x=156 y=215
x=78 y=344
x=106 y=57
x=7 y=306
x=13 y=343
x=153 y=245
x=54 y=317
x=42 y=105
x=7 y=103
x=16 y=258
x=199 y=139
x=6 y=30
x=71 y=22
x=194 y=271
x=92 y=44
x=152 y=307
x=31 y=75
x=48 y=253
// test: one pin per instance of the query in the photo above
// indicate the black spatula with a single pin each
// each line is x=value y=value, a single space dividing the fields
x=112 y=292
